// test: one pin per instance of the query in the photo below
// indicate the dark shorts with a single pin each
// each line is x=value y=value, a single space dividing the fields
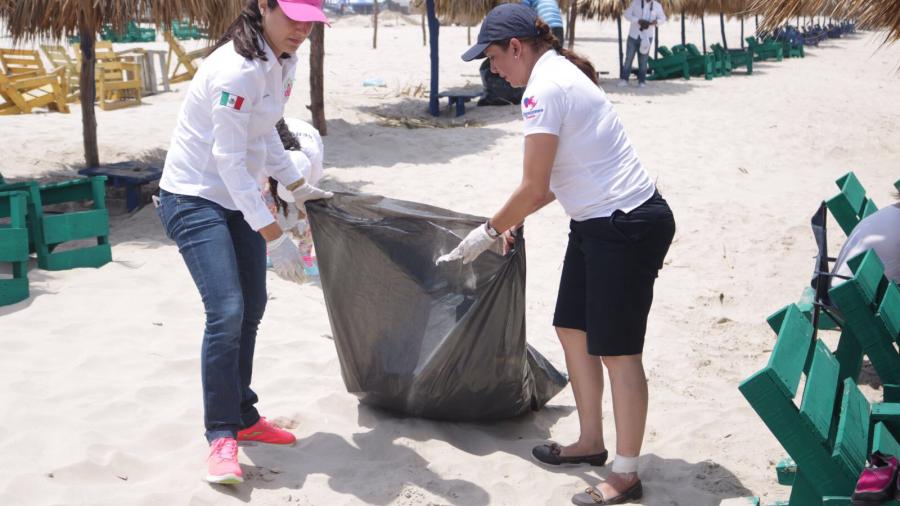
x=607 y=279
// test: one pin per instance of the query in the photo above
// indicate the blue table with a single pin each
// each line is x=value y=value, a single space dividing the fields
x=128 y=175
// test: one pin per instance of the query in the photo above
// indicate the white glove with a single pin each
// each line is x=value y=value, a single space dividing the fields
x=308 y=192
x=477 y=242
x=286 y=259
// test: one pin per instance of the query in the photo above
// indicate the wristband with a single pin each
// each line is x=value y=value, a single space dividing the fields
x=491 y=231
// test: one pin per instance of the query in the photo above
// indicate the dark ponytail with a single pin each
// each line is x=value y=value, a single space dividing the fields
x=548 y=39
x=246 y=32
x=290 y=142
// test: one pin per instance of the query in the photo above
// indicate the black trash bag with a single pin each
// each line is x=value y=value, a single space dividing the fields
x=442 y=342
x=496 y=90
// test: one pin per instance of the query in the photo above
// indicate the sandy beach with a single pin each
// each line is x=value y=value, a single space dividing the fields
x=99 y=374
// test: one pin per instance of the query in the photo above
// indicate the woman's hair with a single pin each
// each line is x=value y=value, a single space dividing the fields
x=546 y=40
x=291 y=142
x=246 y=32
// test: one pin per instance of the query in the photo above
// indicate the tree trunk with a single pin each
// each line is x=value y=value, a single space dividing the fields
x=433 y=31
x=655 y=42
x=317 y=77
x=375 y=24
x=570 y=30
x=683 y=40
x=722 y=24
x=88 y=86
x=468 y=35
x=742 y=33
x=424 y=34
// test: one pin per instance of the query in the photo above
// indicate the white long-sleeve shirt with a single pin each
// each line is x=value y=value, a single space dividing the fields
x=649 y=10
x=225 y=143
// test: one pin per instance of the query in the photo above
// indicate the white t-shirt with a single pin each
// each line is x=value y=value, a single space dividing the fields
x=879 y=231
x=225 y=140
x=596 y=171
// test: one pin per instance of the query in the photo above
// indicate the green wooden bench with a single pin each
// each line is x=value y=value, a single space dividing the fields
x=668 y=66
x=14 y=246
x=828 y=435
x=765 y=50
x=851 y=205
x=698 y=64
x=870 y=308
x=48 y=229
x=734 y=58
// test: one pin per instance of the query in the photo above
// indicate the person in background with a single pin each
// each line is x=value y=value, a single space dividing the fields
x=645 y=16
x=548 y=10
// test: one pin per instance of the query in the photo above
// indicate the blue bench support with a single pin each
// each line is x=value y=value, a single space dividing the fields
x=459 y=99
x=128 y=175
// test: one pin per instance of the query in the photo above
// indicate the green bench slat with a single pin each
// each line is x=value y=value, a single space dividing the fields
x=791 y=348
x=819 y=397
x=889 y=413
x=889 y=310
x=78 y=225
x=13 y=245
x=851 y=442
x=883 y=441
x=95 y=256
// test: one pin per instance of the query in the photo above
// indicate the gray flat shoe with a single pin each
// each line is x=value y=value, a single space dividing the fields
x=593 y=497
x=550 y=454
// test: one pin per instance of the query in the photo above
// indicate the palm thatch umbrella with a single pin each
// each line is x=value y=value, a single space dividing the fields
x=613 y=9
x=55 y=19
x=870 y=14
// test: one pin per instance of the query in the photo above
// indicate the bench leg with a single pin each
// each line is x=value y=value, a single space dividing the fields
x=132 y=197
x=460 y=107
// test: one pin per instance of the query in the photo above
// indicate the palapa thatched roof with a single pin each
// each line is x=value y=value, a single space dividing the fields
x=870 y=14
x=30 y=19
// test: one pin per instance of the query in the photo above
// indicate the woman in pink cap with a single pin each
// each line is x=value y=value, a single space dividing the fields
x=223 y=148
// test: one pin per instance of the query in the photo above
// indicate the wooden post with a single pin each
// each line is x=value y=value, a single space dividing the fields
x=655 y=42
x=722 y=24
x=703 y=31
x=621 y=55
x=742 y=32
x=87 y=84
x=433 y=31
x=317 y=78
x=570 y=30
x=468 y=35
x=424 y=37
x=375 y=24
x=683 y=40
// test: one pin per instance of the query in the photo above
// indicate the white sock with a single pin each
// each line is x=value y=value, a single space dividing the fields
x=623 y=465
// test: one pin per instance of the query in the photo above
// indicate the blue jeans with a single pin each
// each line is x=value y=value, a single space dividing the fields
x=633 y=47
x=227 y=260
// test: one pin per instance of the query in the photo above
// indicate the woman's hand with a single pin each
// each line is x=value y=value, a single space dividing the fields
x=477 y=242
x=306 y=192
x=509 y=238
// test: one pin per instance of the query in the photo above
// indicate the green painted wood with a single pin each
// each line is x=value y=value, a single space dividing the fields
x=66 y=191
x=786 y=470
x=849 y=355
x=852 y=189
x=856 y=300
x=791 y=349
x=95 y=256
x=821 y=391
x=804 y=493
x=851 y=443
x=14 y=247
x=836 y=501
x=60 y=228
x=883 y=441
x=889 y=311
x=868 y=208
x=889 y=413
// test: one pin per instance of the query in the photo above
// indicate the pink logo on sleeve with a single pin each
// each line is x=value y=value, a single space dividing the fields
x=529 y=102
x=530 y=110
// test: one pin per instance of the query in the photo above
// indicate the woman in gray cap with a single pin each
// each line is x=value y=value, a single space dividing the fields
x=576 y=152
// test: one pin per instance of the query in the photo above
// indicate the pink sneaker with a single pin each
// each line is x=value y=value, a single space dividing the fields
x=222 y=463
x=264 y=431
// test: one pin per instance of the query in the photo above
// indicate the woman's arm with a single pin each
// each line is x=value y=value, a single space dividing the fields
x=533 y=192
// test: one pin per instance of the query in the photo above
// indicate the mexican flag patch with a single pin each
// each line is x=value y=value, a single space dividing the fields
x=230 y=100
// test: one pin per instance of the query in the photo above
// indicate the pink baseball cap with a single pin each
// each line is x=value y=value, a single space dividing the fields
x=304 y=10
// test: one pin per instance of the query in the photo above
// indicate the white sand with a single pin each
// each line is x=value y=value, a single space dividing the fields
x=100 y=367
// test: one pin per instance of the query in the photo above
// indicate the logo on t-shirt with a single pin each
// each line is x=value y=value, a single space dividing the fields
x=529 y=108
x=231 y=100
